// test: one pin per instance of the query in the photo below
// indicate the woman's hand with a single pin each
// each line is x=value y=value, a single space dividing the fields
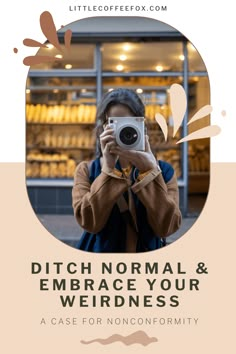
x=142 y=160
x=107 y=141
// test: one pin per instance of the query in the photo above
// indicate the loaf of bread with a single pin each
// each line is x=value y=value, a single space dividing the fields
x=35 y=169
x=53 y=167
x=71 y=165
x=62 y=169
x=43 y=114
x=44 y=170
x=28 y=170
x=30 y=113
x=67 y=114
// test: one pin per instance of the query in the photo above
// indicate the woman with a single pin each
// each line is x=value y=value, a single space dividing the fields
x=125 y=200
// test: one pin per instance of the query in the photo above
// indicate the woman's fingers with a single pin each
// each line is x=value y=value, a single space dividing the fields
x=109 y=131
x=105 y=139
x=108 y=147
x=106 y=136
x=129 y=154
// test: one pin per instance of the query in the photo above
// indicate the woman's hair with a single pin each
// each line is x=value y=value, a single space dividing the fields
x=122 y=96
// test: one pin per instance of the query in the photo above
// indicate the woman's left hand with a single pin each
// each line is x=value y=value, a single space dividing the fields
x=142 y=160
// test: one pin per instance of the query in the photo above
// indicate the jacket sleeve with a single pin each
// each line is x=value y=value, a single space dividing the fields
x=92 y=203
x=161 y=201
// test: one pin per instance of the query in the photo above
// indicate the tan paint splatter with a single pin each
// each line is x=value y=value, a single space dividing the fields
x=32 y=43
x=160 y=119
x=202 y=112
x=67 y=38
x=33 y=60
x=49 y=29
x=138 y=337
x=206 y=132
x=178 y=105
x=223 y=113
x=15 y=50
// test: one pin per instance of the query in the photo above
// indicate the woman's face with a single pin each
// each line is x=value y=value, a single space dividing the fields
x=119 y=110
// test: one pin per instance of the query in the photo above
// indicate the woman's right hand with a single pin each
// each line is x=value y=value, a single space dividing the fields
x=107 y=141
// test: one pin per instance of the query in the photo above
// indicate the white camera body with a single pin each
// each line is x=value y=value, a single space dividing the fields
x=129 y=132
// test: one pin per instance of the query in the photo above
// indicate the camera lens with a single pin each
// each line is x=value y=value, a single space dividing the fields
x=128 y=135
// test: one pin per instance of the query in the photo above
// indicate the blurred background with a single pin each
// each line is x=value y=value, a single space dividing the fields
x=142 y=54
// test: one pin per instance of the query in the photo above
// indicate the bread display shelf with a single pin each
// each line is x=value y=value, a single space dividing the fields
x=61 y=123
x=46 y=161
x=155 y=148
x=52 y=148
x=60 y=113
x=52 y=157
x=49 y=166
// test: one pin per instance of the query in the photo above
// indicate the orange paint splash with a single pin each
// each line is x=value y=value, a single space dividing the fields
x=49 y=29
x=32 y=43
x=33 y=60
x=67 y=38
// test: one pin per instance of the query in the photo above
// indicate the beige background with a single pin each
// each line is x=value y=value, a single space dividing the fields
x=210 y=240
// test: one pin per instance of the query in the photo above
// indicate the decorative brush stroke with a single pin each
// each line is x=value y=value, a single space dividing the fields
x=49 y=29
x=138 y=337
x=160 y=119
x=67 y=38
x=32 y=60
x=201 y=113
x=206 y=132
x=178 y=105
x=28 y=42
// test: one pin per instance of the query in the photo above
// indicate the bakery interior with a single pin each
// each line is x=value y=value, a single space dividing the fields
x=145 y=55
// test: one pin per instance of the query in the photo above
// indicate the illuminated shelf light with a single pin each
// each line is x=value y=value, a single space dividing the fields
x=159 y=68
x=119 y=67
x=126 y=47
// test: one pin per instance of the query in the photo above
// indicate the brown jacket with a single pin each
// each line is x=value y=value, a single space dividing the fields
x=93 y=203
